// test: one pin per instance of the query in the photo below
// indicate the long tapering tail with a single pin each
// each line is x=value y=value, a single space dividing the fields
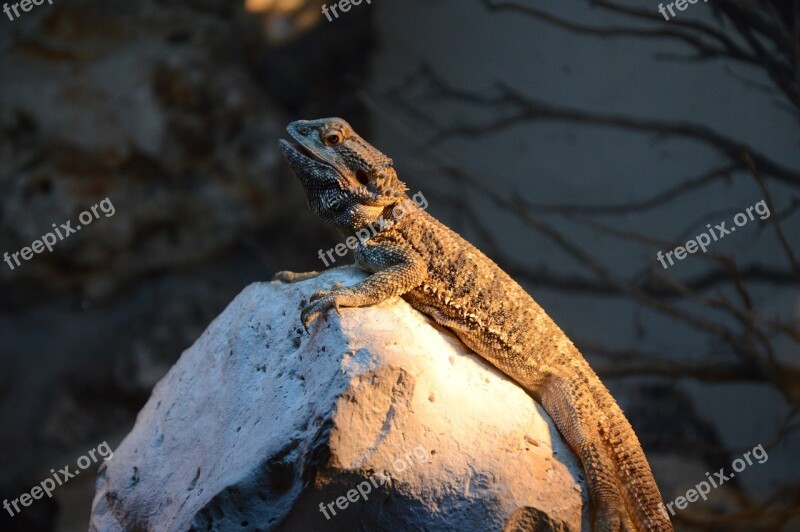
x=642 y=496
x=621 y=485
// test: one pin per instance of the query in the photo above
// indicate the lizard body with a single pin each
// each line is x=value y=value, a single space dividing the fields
x=351 y=184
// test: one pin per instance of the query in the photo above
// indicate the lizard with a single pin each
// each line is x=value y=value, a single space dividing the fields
x=350 y=184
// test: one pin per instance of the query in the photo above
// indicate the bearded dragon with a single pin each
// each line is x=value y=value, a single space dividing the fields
x=351 y=185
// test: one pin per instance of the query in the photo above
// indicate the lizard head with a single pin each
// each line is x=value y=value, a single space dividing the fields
x=347 y=181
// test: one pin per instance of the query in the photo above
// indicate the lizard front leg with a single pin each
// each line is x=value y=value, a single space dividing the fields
x=397 y=269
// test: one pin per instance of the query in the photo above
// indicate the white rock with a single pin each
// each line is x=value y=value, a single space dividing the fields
x=259 y=423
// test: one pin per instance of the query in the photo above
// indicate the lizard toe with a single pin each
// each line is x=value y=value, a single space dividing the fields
x=283 y=276
x=316 y=308
x=308 y=316
x=319 y=294
x=316 y=296
x=287 y=276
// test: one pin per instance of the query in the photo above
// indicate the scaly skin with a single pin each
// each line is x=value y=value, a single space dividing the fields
x=350 y=184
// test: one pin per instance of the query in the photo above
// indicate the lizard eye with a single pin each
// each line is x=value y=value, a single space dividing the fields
x=333 y=138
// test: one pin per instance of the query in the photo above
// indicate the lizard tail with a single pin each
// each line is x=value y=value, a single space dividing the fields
x=622 y=488
x=637 y=484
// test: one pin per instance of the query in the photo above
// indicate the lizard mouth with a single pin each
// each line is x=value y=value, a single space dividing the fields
x=291 y=147
x=312 y=170
x=302 y=159
x=300 y=156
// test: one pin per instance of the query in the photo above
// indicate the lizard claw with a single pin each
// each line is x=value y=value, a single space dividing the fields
x=320 y=302
x=317 y=307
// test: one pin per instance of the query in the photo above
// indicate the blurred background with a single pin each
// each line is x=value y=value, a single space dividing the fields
x=570 y=141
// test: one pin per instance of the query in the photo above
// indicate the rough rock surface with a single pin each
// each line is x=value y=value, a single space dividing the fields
x=259 y=423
